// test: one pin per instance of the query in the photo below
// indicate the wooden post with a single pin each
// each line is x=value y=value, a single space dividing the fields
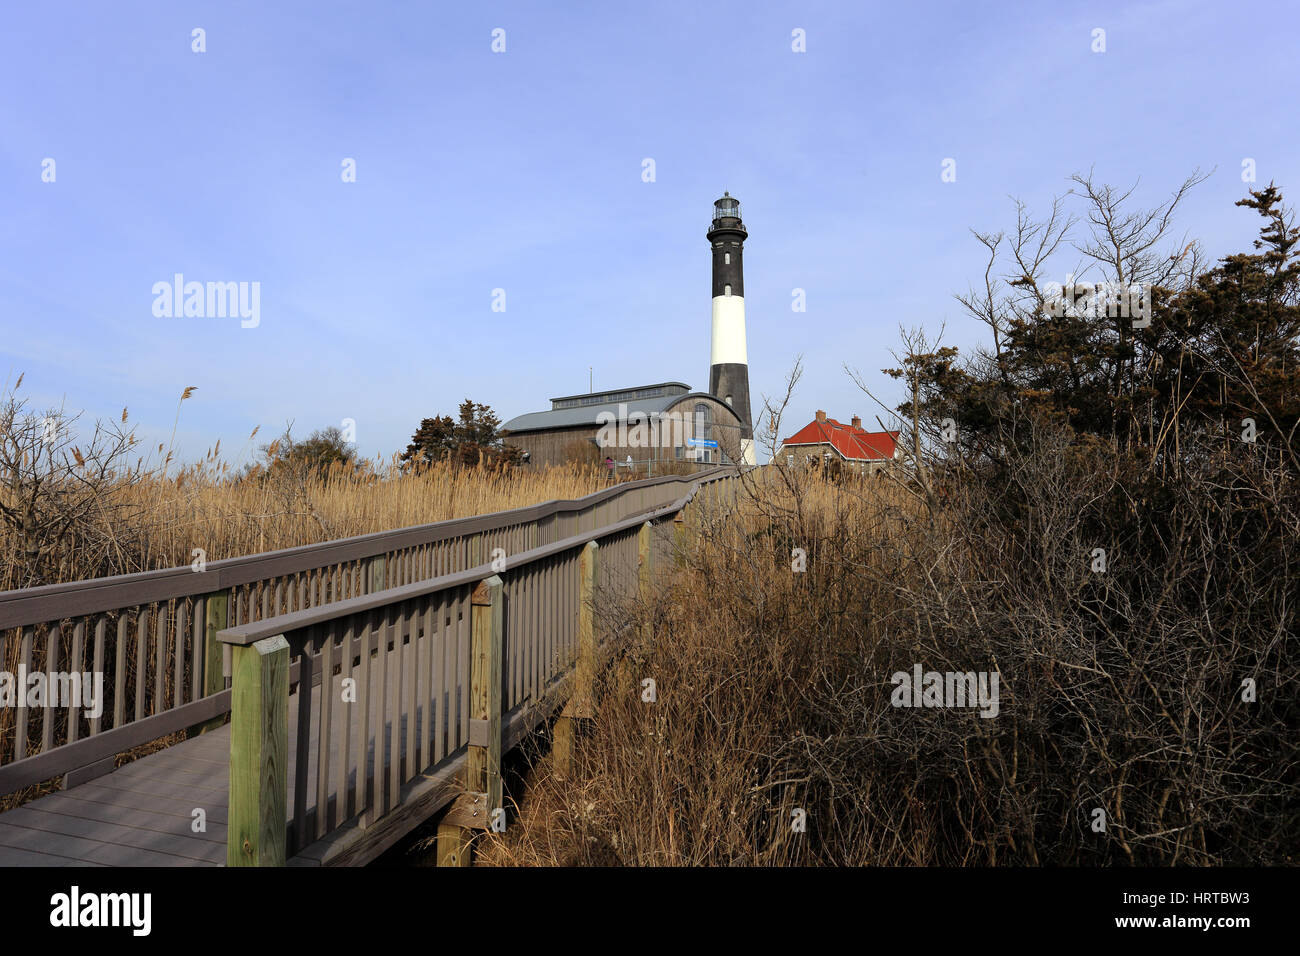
x=585 y=668
x=646 y=561
x=474 y=810
x=580 y=704
x=454 y=845
x=679 y=538
x=484 y=756
x=259 y=747
x=645 y=556
x=562 y=746
x=216 y=618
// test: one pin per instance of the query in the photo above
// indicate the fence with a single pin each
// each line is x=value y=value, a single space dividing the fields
x=151 y=637
x=364 y=696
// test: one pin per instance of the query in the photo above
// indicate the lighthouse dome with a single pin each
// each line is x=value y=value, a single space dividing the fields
x=728 y=207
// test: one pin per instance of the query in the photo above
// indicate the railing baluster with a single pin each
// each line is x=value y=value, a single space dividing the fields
x=324 y=738
x=441 y=669
x=178 y=675
x=345 y=805
x=101 y=626
x=24 y=667
x=463 y=668
x=424 y=670
x=381 y=708
x=364 y=786
x=408 y=670
x=303 y=754
x=160 y=659
x=141 y=660
x=119 y=672
x=75 y=671
x=533 y=612
x=198 y=645
x=51 y=669
x=393 y=675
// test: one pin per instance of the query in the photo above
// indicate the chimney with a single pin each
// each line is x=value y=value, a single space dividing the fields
x=857 y=422
x=821 y=416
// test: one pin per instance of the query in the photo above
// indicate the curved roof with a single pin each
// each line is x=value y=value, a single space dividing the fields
x=590 y=414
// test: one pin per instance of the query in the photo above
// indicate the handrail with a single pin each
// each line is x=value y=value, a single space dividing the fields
x=245 y=634
x=27 y=606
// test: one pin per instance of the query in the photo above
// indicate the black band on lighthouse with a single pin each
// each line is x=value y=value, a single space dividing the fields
x=727 y=256
x=732 y=380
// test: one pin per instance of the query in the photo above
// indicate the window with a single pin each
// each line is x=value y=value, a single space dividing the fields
x=703 y=421
x=726 y=290
x=726 y=258
x=703 y=430
x=728 y=399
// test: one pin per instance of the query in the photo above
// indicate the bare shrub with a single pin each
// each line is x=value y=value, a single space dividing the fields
x=1120 y=690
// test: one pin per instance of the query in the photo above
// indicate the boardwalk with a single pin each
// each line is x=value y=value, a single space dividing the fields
x=368 y=684
x=143 y=813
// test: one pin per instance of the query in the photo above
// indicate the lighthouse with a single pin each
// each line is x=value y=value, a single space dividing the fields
x=729 y=371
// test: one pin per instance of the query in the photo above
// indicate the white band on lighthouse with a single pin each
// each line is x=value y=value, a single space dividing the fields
x=729 y=331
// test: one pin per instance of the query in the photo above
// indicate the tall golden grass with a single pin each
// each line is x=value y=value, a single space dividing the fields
x=159 y=520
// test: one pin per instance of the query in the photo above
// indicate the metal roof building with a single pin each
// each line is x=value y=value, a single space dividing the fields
x=676 y=424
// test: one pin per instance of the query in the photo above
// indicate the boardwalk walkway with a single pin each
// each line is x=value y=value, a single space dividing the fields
x=143 y=813
x=369 y=684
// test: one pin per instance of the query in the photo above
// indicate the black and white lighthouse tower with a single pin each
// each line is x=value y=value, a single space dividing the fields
x=729 y=374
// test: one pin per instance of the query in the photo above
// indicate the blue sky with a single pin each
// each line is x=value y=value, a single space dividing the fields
x=522 y=171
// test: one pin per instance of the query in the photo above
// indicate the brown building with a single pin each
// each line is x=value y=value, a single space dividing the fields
x=650 y=424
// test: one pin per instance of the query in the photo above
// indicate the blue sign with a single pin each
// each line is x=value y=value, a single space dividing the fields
x=702 y=442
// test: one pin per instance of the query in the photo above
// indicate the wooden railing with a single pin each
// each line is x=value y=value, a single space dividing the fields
x=151 y=637
x=403 y=699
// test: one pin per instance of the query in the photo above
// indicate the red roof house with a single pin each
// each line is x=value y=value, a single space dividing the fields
x=848 y=443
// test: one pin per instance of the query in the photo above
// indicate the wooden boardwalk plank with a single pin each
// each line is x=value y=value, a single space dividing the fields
x=125 y=816
x=143 y=802
x=163 y=787
x=177 y=843
x=13 y=856
x=86 y=848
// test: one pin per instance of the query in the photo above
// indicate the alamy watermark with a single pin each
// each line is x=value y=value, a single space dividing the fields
x=55 y=689
x=210 y=300
x=74 y=909
x=1098 y=300
x=948 y=689
x=642 y=430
